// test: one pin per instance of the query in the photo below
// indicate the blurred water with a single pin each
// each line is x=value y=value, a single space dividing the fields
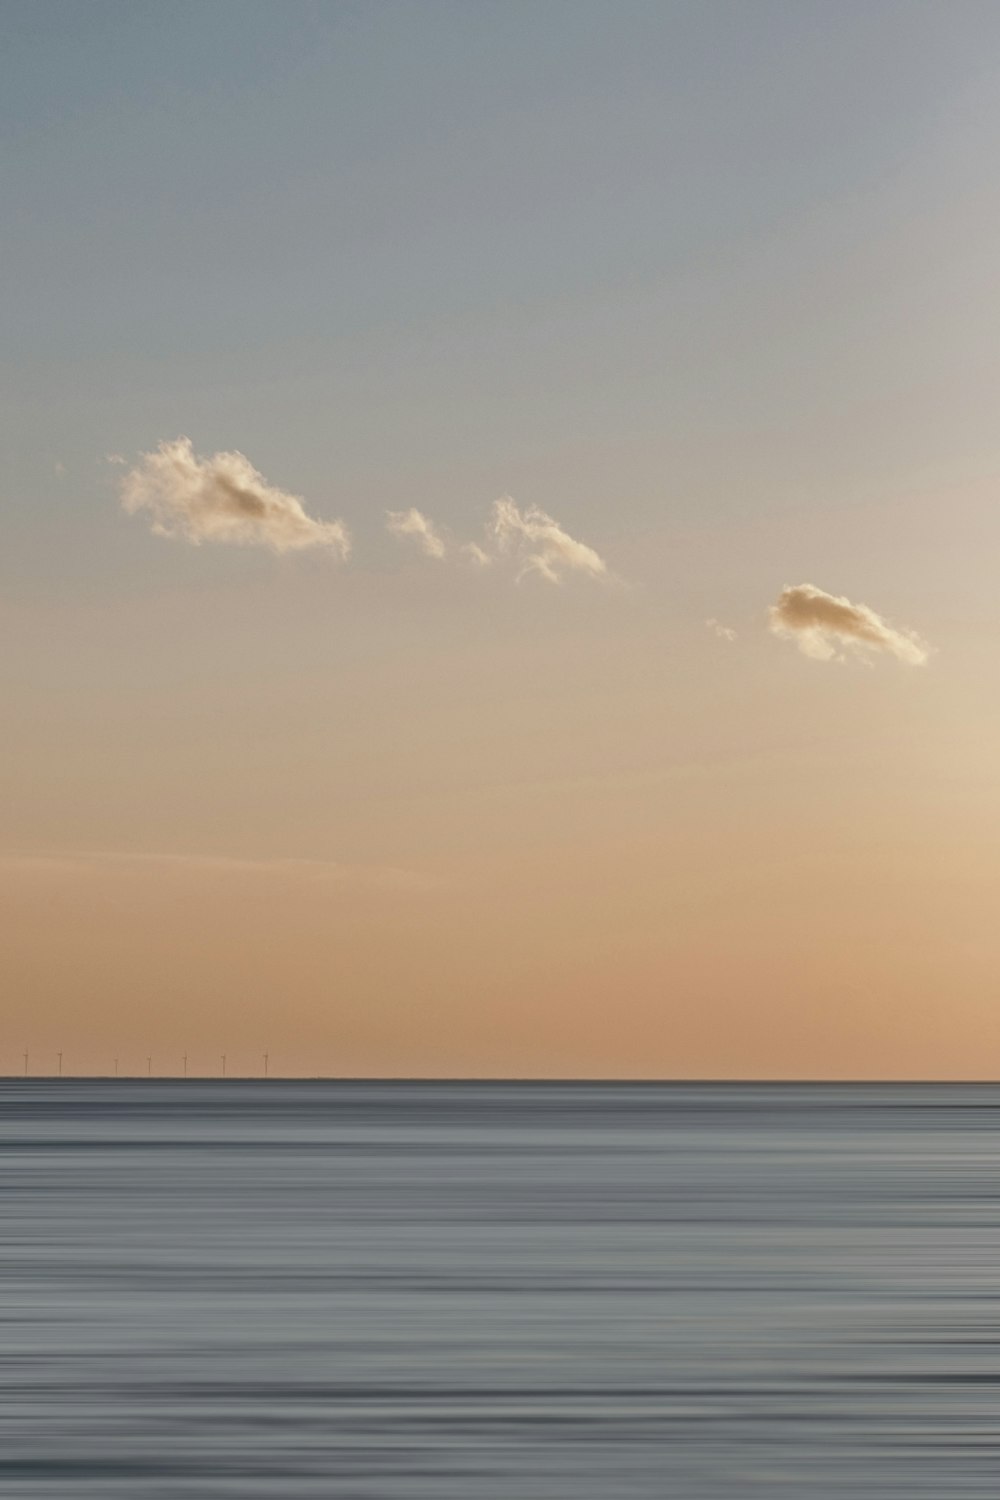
x=549 y=1292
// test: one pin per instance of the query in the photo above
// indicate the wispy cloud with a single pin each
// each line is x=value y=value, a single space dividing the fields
x=724 y=632
x=88 y=862
x=477 y=554
x=413 y=524
x=539 y=544
x=223 y=499
x=532 y=540
x=825 y=625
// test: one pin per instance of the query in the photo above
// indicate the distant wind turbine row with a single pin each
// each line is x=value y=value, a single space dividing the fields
x=25 y=1069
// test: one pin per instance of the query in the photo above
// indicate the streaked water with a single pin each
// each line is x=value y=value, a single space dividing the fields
x=590 y=1292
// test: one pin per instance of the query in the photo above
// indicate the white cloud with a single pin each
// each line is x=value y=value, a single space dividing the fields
x=411 y=523
x=223 y=499
x=530 y=538
x=824 y=625
x=724 y=632
x=539 y=543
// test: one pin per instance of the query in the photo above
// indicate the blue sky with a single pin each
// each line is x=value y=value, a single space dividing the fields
x=412 y=249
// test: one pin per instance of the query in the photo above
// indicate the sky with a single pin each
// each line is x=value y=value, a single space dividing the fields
x=498 y=537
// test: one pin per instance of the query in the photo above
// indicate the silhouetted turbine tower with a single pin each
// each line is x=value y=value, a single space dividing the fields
x=149 y=1067
x=265 y=1064
x=25 y=1064
x=59 y=1055
x=185 y=1065
x=223 y=1065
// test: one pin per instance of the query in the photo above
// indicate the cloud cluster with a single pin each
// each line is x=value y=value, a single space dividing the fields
x=824 y=626
x=412 y=523
x=223 y=499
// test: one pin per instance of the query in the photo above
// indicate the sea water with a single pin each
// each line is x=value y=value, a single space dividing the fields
x=482 y=1291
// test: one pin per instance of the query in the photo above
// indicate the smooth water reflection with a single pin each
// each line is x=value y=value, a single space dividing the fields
x=488 y=1291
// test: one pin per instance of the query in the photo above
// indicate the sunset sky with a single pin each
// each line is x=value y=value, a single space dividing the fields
x=499 y=530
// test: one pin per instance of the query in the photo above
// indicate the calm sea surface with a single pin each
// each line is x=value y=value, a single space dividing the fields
x=483 y=1291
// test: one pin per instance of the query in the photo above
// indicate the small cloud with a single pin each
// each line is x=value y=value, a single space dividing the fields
x=412 y=523
x=533 y=540
x=59 y=468
x=115 y=458
x=824 y=625
x=540 y=544
x=223 y=499
x=724 y=632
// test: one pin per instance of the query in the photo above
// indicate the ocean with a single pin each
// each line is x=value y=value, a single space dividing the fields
x=481 y=1291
